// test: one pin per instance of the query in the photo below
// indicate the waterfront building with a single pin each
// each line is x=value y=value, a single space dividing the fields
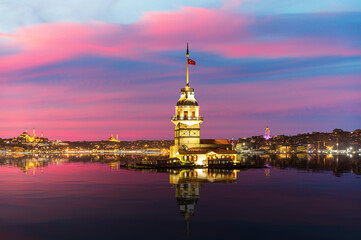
x=267 y=133
x=112 y=139
x=188 y=146
x=25 y=137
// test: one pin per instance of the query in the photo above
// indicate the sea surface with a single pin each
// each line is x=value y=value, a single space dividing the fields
x=94 y=197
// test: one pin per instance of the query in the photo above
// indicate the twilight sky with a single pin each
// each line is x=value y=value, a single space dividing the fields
x=81 y=70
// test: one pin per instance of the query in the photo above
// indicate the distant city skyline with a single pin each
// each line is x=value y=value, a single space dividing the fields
x=118 y=68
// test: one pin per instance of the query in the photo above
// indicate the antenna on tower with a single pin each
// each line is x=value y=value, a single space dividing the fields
x=187 y=65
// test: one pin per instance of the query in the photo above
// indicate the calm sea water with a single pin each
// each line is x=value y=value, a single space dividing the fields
x=304 y=197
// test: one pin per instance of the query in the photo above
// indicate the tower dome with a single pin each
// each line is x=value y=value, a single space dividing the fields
x=187 y=97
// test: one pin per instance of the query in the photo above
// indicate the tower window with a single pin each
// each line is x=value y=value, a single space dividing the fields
x=193 y=113
x=185 y=114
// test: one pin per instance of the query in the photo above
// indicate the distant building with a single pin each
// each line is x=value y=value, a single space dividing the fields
x=112 y=139
x=26 y=138
x=301 y=149
x=243 y=147
x=284 y=149
x=187 y=143
x=267 y=133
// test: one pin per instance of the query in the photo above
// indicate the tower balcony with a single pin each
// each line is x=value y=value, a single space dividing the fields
x=178 y=118
x=189 y=120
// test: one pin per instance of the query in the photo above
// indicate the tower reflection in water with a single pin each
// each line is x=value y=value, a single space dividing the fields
x=188 y=183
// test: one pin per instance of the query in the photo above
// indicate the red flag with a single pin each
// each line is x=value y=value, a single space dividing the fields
x=191 y=62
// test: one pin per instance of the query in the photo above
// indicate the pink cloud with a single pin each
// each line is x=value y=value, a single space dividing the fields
x=285 y=48
x=44 y=44
x=285 y=95
x=71 y=114
x=197 y=23
x=220 y=31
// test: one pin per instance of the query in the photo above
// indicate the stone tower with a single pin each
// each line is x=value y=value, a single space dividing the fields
x=187 y=119
x=267 y=133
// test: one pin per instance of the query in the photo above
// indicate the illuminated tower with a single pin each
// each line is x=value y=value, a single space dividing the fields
x=186 y=119
x=267 y=133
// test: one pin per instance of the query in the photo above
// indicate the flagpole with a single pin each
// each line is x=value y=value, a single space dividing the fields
x=187 y=65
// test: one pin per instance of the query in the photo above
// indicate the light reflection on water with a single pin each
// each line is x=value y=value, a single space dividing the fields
x=93 y=197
